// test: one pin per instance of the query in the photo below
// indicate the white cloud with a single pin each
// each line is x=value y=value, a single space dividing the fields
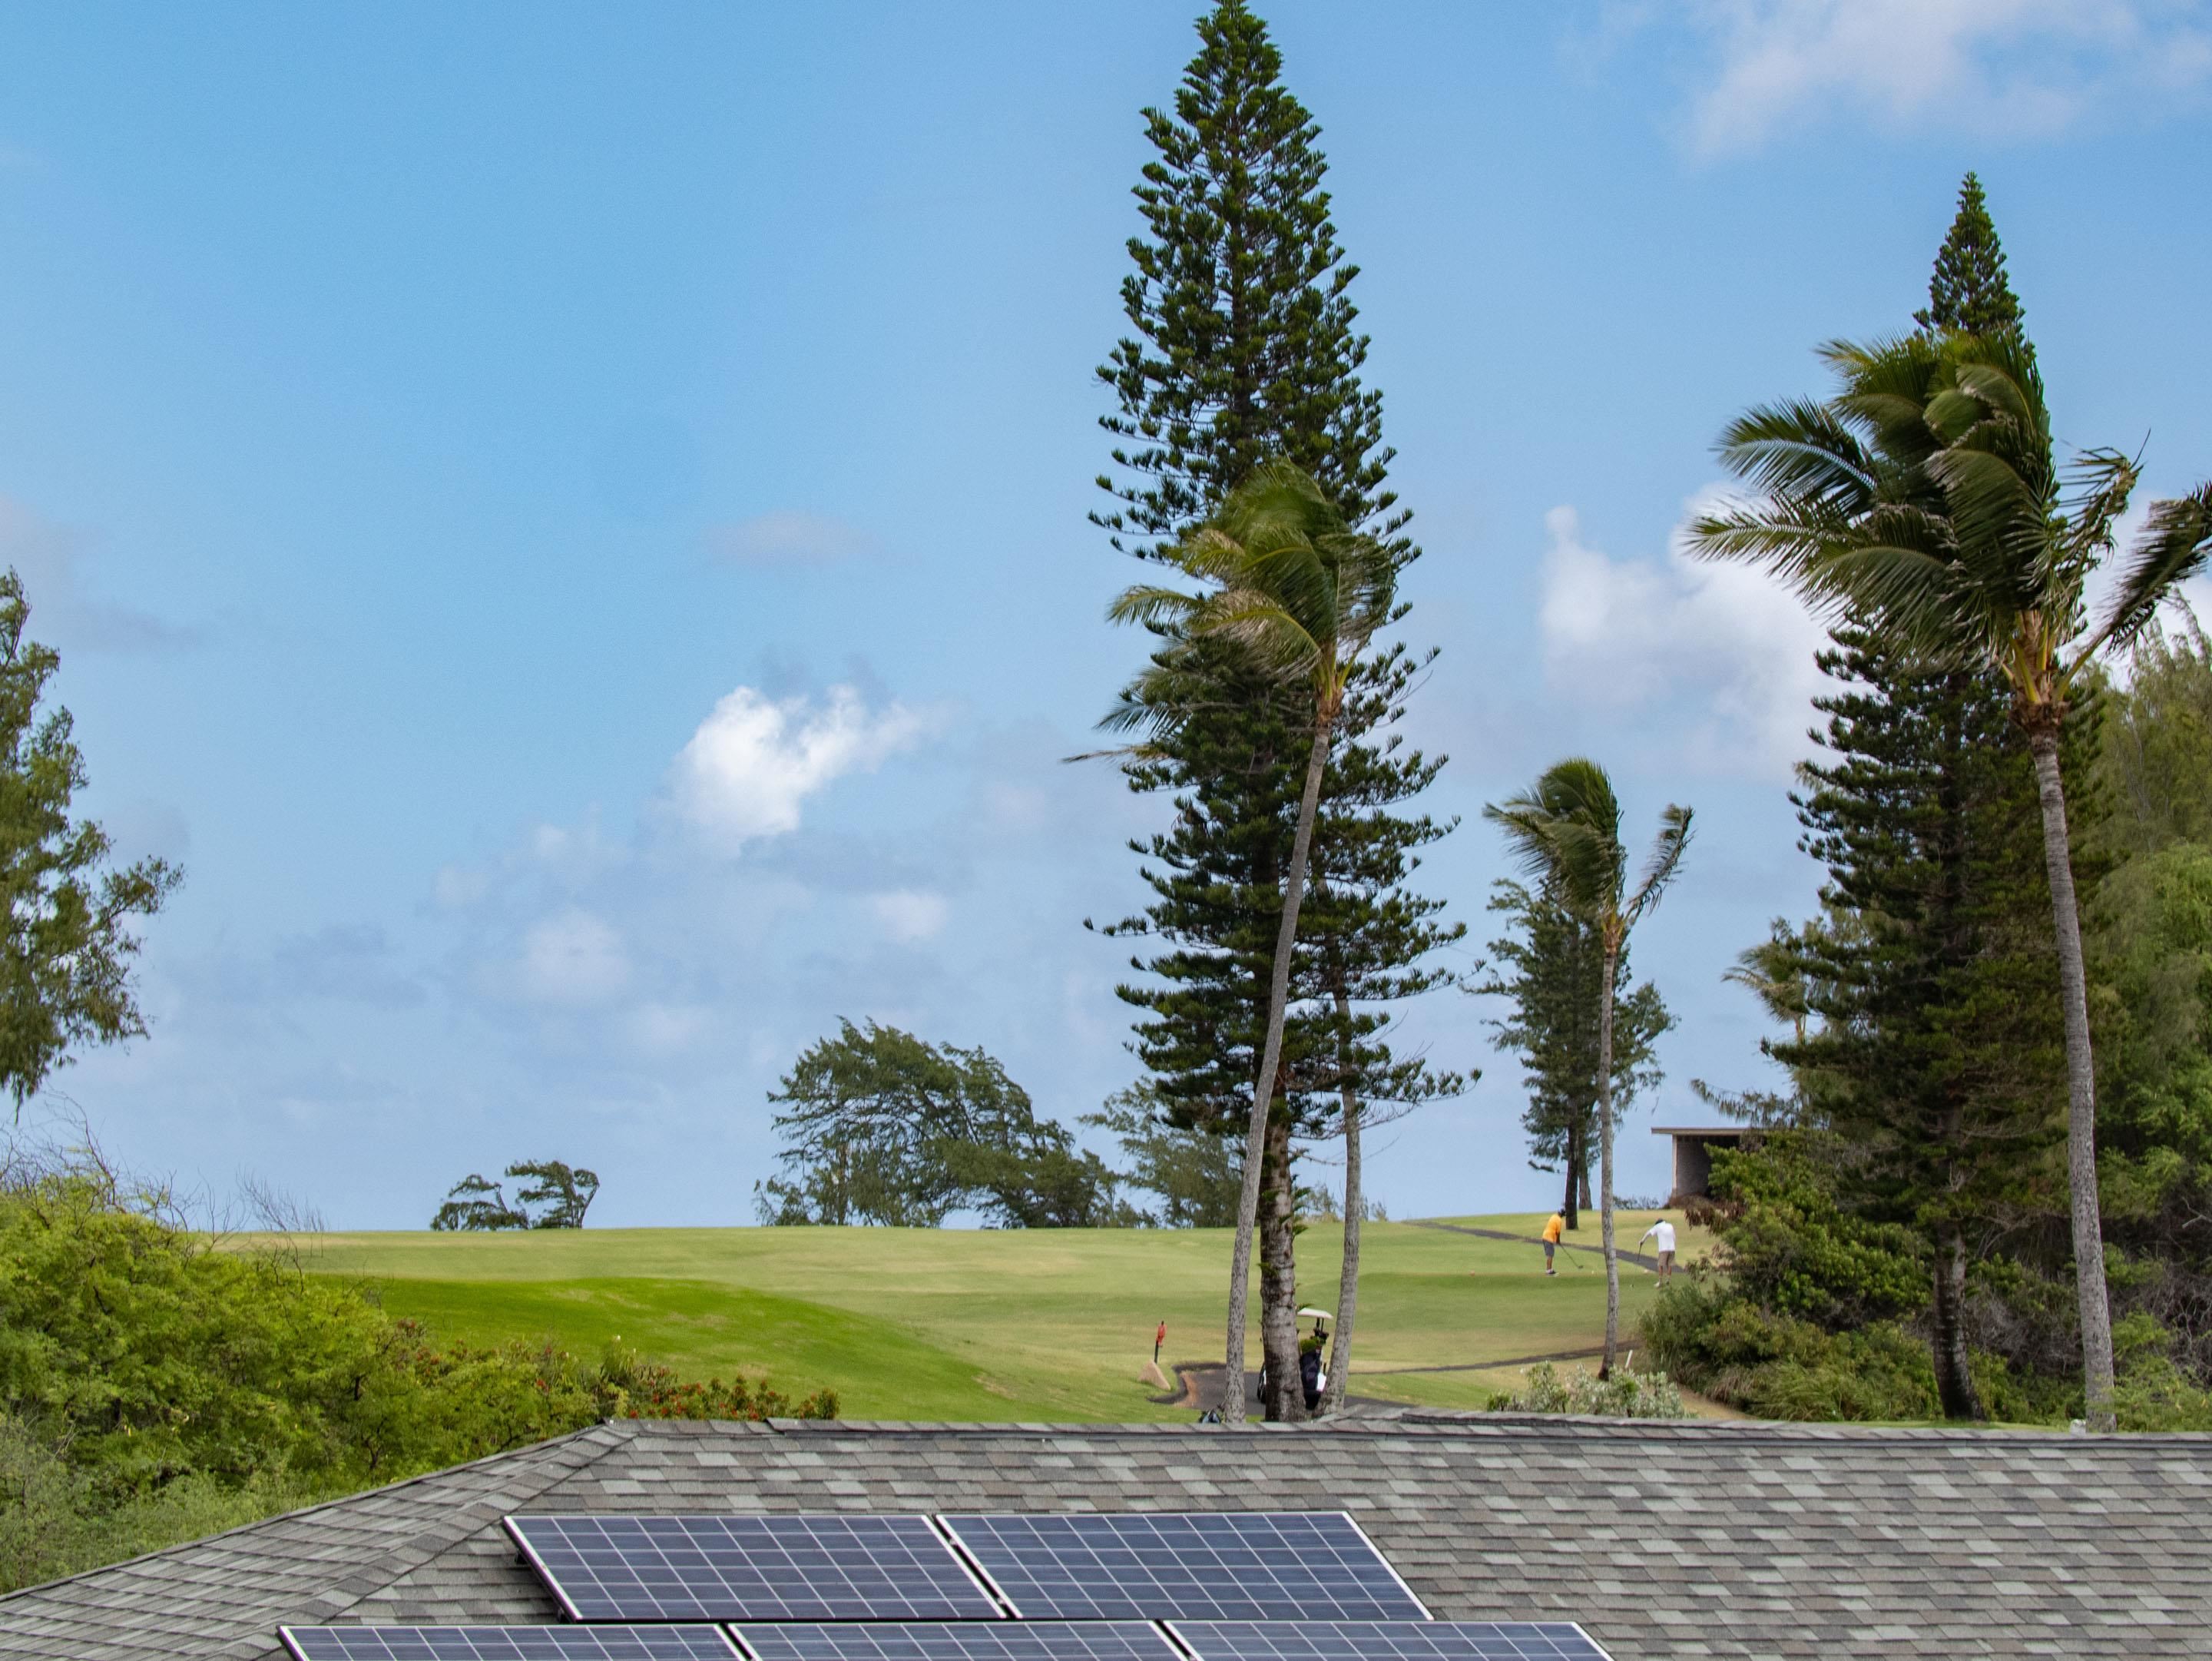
x=909 y=916
x=2001 y=67
x=753 y=761
x=789 y=537
x=1724 y=651
x=574 y=959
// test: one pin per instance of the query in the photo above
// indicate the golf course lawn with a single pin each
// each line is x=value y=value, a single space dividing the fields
x=980 y=1324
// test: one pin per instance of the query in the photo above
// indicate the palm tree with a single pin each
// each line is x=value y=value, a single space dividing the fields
x=1295 y=594
x=1347 y=1277
x=1923 y=502
x=1567 y=833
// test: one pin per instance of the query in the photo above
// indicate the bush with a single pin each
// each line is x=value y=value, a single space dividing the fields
x=1625 y=1396
x=154 y=1387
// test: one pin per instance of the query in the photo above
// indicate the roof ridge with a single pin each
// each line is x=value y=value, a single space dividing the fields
x=1545 y=1427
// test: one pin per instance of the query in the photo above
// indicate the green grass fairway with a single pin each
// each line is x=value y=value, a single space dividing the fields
x=1044 y=1325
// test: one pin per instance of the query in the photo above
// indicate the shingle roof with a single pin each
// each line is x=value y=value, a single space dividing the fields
x=1663 y=1540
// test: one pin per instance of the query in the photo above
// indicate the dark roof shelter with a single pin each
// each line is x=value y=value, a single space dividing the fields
x=1664 y=1539
x=1693 y=1156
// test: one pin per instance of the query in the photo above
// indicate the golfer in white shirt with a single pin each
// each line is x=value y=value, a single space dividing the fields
x=1663 y=1232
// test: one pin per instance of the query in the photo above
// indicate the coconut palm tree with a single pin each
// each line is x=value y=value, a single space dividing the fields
x=1923 y=502
x=1567 y=833
x=1294 y=595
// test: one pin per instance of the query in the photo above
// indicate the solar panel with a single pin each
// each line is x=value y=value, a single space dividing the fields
x=507 y=1643
x=750 y=1568
x=968 y=1640
x=1387 y=1640
x=1199 y=1565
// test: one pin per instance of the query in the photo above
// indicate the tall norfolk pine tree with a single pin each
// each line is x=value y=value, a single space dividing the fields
x=1936 y=1052
x=1968 y=289
x=1548 y=963
x=1243 y=348
x=1937 y=1058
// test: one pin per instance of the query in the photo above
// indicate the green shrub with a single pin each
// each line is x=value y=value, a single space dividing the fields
x=154 y=1387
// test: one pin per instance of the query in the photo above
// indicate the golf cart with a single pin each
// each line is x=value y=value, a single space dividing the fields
x=1312 y=1378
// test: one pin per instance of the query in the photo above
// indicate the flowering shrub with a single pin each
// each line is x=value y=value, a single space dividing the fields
x=1625 y=1396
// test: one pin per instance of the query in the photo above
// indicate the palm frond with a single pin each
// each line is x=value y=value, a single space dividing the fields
x=1663 y=863
x=2174 y=545
x=1153 y=606
x=1564 y=832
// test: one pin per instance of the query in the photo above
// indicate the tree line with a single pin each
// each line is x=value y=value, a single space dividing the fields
x=1935 y=1167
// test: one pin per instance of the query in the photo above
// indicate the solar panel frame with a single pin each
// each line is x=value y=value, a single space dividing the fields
x=793 y=1567
x=1386 y=1640
x=1175 y=1564
x=955 y=1640
x=691 y=1642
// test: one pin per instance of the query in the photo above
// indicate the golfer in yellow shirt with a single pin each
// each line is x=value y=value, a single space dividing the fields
x=1552 y=1230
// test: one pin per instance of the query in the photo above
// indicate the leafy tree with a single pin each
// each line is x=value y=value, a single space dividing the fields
x=1566 y=831
x=1243 y=348
x=1298 y=594
x=1550 y=960
x=477 y=1204
x=564 y=1192
x=66 y=955
x=880 y=1127
x=1192 y=1170
x=2155 y=749
x=1925 y=501
x=2150 y=950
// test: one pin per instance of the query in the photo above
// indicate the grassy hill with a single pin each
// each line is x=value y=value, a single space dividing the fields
x=1046 y=1324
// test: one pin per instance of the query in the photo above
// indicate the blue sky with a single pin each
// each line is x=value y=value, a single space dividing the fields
x=568 y=521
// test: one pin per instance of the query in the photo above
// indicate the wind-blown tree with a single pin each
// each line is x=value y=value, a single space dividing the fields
x=1924 y=501
x=561 y=1194
x=880 y=1127
x=67 y=944
x=1241 y=347
x=1566 y=831
x=1297 y=595
x=1548 y=962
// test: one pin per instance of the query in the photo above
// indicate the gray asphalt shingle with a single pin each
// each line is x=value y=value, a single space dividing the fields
x=1662 y=1540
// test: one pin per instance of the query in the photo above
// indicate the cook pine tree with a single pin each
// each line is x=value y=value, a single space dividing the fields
x=1243 y=348
x=1935 y=1042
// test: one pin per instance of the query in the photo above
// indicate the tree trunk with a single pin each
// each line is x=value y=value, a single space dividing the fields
x=1581 y=1177
x=1954 y=1381
x=1263 y=1087
x=1283 y=1399
x=1347 y=1282
x=1605 y=1158
x=1577 y=1177
x=2081 y=1089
